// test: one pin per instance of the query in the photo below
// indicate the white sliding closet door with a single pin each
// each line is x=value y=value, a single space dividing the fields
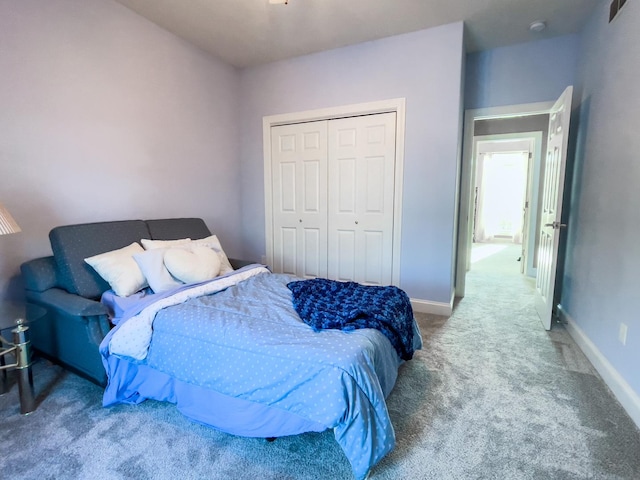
x=333 y=187
x=299 y=180
x=361 y=198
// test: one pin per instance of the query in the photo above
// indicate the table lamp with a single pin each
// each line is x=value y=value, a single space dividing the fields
x=7 y=223
x=20 y=345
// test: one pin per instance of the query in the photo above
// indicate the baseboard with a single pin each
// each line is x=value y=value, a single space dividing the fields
x=627 y=397
x=433 y=308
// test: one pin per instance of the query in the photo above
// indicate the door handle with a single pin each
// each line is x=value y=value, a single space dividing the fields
x=556 y=225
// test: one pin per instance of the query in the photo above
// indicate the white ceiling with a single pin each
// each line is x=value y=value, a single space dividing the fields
x=250 y=32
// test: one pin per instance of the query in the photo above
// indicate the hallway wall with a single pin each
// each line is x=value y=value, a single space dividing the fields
x=603 y=252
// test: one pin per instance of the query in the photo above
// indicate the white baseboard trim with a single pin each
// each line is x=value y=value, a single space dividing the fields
x=434 y=308
x=627 y=397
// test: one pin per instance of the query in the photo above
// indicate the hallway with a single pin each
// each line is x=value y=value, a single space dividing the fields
x=519 y=402
x=496 y=257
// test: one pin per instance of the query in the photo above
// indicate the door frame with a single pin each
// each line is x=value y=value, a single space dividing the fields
x=466 y=176
x=532 y=187
x=396 y=105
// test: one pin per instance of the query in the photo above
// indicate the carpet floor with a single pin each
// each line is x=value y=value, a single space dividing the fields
x=491 y=396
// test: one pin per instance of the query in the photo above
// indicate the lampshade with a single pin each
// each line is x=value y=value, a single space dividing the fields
x=7 y=223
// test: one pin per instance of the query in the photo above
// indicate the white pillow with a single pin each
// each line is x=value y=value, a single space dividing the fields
x=120 y=270
x=193 y=263
x=213 y=242
x=151 y=263
x=152 y=244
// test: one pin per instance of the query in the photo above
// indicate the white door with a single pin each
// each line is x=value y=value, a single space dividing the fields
x=361 y=198
x=553 y=187
x=299 y=176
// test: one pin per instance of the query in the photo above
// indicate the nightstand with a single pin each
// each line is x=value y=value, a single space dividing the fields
x=16 y=354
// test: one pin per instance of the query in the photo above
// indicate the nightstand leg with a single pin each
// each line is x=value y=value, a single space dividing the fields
x=4 y=384
x=25 y=375
x=27 y=393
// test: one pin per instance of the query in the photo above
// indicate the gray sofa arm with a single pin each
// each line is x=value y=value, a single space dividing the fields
x=69 y=303
x=71 y=331
x=39 y=274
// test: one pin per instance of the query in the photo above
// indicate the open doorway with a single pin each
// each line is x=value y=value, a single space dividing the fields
x=549 y=208
x=500 y=197
x=505 y=188
x=519 y=123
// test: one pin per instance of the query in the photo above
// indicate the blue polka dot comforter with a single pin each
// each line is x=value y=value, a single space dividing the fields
x=246 y=343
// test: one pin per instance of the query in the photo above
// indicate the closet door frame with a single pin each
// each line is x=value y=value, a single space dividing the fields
x=384 y=106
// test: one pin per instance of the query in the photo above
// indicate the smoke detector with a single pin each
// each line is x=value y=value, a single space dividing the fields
x=538 y=26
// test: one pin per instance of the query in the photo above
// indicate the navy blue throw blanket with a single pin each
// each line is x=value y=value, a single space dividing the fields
x=324 y=304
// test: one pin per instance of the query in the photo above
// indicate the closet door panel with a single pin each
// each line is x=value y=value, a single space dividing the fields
x=346 y=189
x=311 y=191
x=287 y=188
x=345 y=255
x=374 y=192
x=299 y=187
x=361 y=186
x=288 y=243
x=373 y=258
x=311 y=260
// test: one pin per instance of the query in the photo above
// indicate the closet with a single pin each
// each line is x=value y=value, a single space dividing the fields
x=332 y=184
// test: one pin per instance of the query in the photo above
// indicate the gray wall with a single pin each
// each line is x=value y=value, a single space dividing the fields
x=600 y=286
x=498 y=126
x=426 y=68
x=526 y=73
x=104 y=116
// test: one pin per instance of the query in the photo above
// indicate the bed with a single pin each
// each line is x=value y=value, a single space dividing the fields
x=235 y=354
